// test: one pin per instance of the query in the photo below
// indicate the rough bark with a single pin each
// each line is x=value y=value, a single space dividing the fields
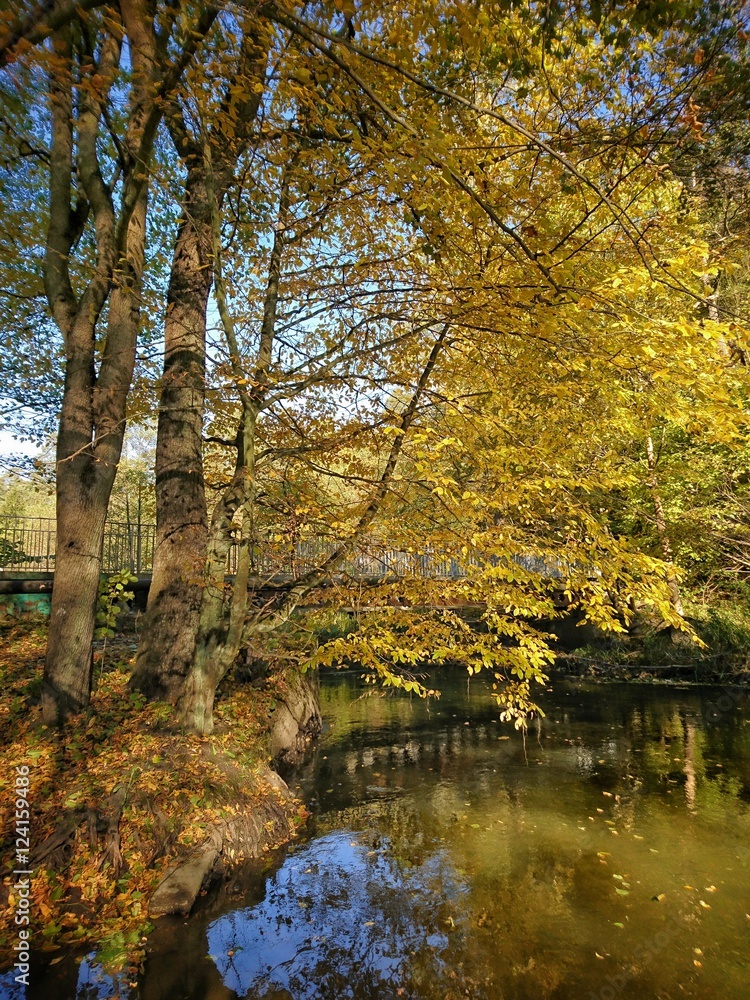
x=168 y=644
x=167 y=649
x=223 y=610
x=99 y=362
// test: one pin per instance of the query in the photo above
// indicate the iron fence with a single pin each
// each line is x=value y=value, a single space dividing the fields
x=28 y=546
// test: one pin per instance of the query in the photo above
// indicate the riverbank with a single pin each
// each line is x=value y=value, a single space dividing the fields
x=718 y=652
x=118 y=801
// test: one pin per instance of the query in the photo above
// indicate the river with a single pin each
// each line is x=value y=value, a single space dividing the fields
x=605 y=855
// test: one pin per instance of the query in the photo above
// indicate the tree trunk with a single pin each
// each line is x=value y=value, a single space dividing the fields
x=222 y=615
x=223 y=608
x=98 y=364
x=167 y=645
x=67 y=675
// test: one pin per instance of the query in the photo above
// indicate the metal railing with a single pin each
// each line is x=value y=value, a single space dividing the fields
x=370 y=560
x=28 y=547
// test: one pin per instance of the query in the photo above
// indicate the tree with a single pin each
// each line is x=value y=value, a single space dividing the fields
x=104 y=111
x=496 y=294
x=498 y=177
x=168 y=642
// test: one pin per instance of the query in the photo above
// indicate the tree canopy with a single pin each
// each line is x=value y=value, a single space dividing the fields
x=468 y=279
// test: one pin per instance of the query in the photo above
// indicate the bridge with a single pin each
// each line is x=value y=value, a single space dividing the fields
x=28 y=549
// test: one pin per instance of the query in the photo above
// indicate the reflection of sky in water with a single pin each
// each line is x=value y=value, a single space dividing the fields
x=96 y=984
x=93 y=984
x=9 y=988
x=337 y=918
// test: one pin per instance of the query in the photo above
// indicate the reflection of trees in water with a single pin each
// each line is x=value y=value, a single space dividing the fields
x=678 y=750
x=361 y=915
x=504 y=927
x=536 y=900
x=340 y=919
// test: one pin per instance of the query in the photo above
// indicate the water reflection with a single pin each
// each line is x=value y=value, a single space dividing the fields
x=604 y=856
x=340 y=919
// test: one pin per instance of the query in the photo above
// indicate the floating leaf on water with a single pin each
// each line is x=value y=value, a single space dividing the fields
x=619 y=924
x=369 y=923
x=658 y=898
x=711 y=888
x=697 y=964
x=697 y=951
x=706 y=906
x=622 y=892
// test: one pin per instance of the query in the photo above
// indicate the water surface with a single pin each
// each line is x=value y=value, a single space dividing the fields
x=607 y=855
